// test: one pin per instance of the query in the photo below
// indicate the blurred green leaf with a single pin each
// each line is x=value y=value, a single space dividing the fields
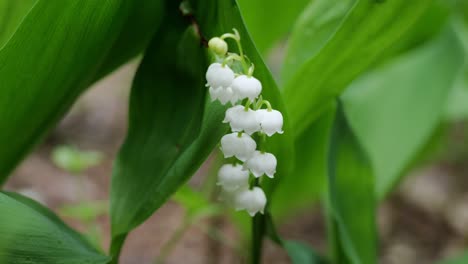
x=463 y=259
x=351 y=197
x=74 y=160
x=85 y=211
x=166 y=110
x=30 y=233
x=196 y=204
x=368 y=30
x=310 y=172
x=395 y=108
x=43 y=78
x=312 y=30
x=264 y=29
x=11 y=15
x=457 y=104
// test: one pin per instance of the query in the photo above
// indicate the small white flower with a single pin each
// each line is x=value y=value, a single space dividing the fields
x=271 y=122
x=242 y=147
x=218 y=46
x=232 y=177
x=261 y=163
x=247 y=87
x=218 y=75
x=253 y=201
x=241 y=120
x=223 y=95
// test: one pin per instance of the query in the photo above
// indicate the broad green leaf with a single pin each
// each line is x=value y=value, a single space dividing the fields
x=395 y=108
x=457 y=260
x=270 y=20
x=313 y=29
x=310 y=172
x=457 y=104
x=368 y=30
x=351 y=197
x=30 y=233
x=166 y=109
x=55 y=53
x=11 y=15
x=298 y=252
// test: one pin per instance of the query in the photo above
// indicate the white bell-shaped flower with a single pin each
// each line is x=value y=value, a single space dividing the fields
x=261 y=163
x=232 y=177
x=247 y=87
x=253 y=201
x=271 y=121
x=223 y=95
x=219 y=75
x=241 y=120
x=242 y=147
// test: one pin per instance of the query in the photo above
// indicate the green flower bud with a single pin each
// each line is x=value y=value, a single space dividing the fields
x=218 y=46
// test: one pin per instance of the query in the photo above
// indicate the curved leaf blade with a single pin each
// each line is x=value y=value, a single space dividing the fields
x=368 y=30
x=30 y=233
x=395 y=109
x=351 y=197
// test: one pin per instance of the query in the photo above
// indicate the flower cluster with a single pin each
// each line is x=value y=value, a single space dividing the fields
x=249 y=123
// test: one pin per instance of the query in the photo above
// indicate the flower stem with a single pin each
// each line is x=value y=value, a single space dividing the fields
x=258 y=229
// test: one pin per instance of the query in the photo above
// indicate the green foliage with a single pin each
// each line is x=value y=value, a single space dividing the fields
x=265 y=30
x=74 y=160
x=166 y=106
x=310 y=173
x=44 y=77
x=395 y=109
x=11 y=15
x=368 y=30
x=32 y=234
x=457 y=260
x=351 y=197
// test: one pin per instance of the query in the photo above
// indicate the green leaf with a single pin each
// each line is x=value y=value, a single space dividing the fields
x=265 y=30
x=11 y=15
x=55 y=53
x=45 y=77
x=74 y=160
x=30 y=233
x=351 y=197
x=457 y=260
x=310 y=172
x=298 y=252
x=395 y=108
x=166 y=109
x=368 y=30
x=313 y=29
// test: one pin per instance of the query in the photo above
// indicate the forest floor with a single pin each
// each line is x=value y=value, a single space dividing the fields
x=424 y=220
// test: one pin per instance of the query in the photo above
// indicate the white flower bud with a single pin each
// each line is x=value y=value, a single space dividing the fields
x=218 y=75
x=223 y=95
x=253 y=201
x=247 y=87
x=218 y=46
x=271 y=122
x=232 y=177
x=243 y=147
x=241 y=120
x=261 y=163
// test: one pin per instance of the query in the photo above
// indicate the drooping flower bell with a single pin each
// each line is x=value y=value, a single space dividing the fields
x=253 y=201
x=223 y=95
x=241 y=146
x=271 y=121
x=247 y=87
x=241 y=119
x=233 y=177
x=262 y=163
x=219 y=75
